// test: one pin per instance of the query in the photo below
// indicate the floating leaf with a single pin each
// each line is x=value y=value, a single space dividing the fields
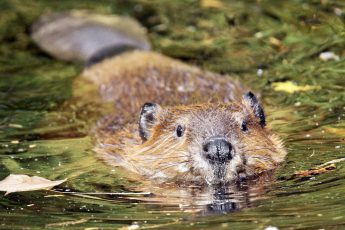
x=211 y=4
x=278 y=43
x=21 y=183
x=290 y=87
x=316 y=171
x=327 y=56
x=338 y=131
x=17 y=126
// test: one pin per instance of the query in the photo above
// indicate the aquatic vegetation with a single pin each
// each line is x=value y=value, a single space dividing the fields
x=44 y=128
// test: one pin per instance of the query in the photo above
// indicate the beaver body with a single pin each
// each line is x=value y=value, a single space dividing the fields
x=175 y=122
x=202 y=104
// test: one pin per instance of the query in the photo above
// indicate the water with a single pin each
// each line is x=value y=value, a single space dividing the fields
x=284 y=40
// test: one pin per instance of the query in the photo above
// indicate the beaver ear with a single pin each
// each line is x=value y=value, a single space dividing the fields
x=256 y=107
x=148 y=117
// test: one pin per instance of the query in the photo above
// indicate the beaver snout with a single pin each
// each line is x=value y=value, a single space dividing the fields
x=217 y=150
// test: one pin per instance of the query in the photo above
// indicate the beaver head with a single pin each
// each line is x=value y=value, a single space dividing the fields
x=212 y=143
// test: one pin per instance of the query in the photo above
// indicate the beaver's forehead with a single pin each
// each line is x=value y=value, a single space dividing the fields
x=204 y=115
x=217 y=114
x=215 y=119
x=205 y=110
x=212 y=126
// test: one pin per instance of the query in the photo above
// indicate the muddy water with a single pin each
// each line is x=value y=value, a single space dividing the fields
x=45 y=130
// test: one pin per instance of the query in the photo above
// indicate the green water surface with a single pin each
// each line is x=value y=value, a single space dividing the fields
x=45 y=133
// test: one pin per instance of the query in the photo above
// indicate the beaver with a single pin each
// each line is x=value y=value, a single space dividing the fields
x=172 y=122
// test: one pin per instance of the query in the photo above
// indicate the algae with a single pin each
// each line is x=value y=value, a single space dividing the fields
x=262 y=43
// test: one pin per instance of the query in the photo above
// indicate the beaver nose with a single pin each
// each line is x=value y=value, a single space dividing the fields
x=217 y=149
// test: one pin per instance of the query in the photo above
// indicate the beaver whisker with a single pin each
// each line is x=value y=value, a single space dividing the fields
x=260 y=157
x=170 y=148
x=169 y=168
x=165 y=167
x=164 y=158
x=213 y=132
x=208 y=132
x=162 y=141
x=106 y=145
x=259 y=164
x=182 y=153
x=230 y=131
x=154 y=147
x=254 y=148
x=162 y=166
x=198 y=142
x=132 y=163
x=176 y=162
x=254 y=151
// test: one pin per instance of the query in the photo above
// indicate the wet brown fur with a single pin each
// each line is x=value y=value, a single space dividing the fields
x=188 y=95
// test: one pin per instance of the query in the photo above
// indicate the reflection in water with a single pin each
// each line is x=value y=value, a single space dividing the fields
x=204 y=200
x=225 y=201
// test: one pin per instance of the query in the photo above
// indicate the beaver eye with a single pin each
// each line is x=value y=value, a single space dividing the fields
x=244 y=126
x=179 y=131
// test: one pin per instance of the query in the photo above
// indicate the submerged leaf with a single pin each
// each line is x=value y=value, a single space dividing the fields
x=21 y=183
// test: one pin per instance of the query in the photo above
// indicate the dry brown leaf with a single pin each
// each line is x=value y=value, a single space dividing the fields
x=338 y=131
x=313 y=172
x=278 y=43
x=21 y=183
